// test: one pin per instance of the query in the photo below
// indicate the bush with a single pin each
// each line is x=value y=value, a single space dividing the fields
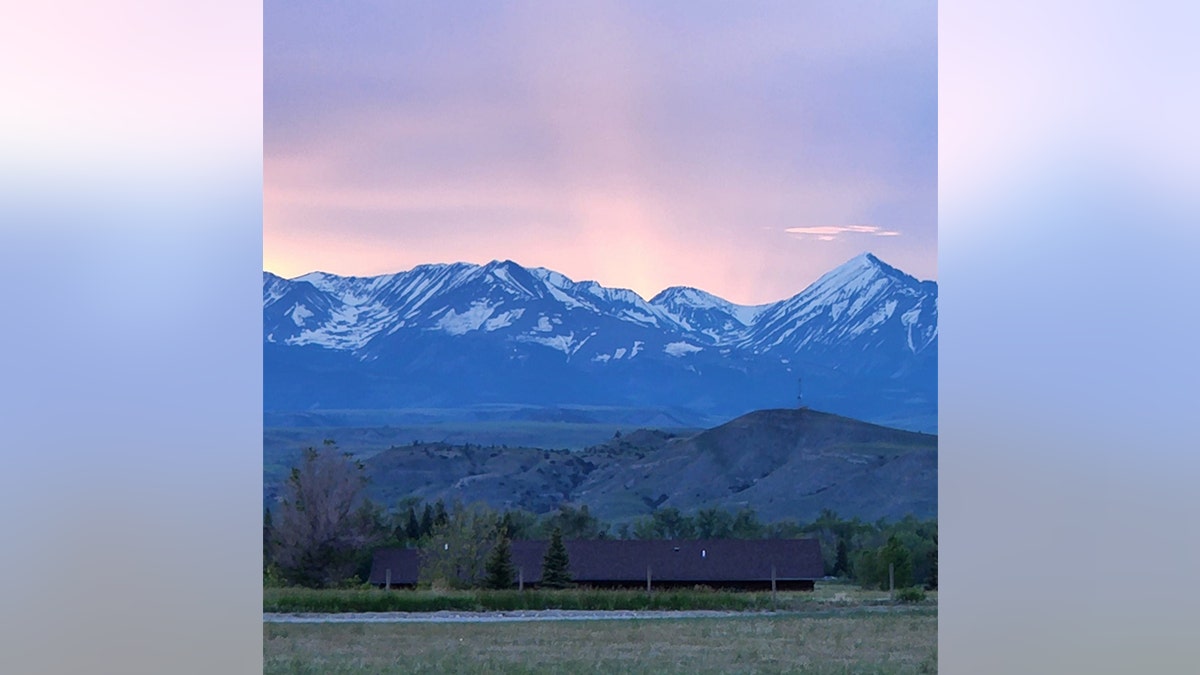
x=910 y=594
x=871 y=566
x=354 y=583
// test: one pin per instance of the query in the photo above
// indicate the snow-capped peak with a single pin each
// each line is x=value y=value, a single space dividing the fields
x=686 y=296
x=322 y=280
x=860 y=297
x=713 y=316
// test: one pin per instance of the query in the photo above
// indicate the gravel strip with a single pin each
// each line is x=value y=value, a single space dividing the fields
x=490 y=617
x=541 y=615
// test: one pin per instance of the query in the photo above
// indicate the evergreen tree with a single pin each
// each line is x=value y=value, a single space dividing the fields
x=440 y=517
x=426 y=521
x=266 y=538
x=412 y=530
x=556 y=566
x=931 y=583
x=842 y=566
x=499 y=568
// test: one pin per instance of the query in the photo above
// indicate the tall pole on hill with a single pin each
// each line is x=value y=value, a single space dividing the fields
x=799 y=392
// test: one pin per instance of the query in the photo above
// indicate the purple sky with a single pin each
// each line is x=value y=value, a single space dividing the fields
x=743 y=148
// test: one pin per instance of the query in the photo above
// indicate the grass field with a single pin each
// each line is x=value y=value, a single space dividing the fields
x=858 y=642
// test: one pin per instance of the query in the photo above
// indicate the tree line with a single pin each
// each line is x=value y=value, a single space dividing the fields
x=323 y=532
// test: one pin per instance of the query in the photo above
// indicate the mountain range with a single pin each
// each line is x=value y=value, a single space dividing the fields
x=861 y=341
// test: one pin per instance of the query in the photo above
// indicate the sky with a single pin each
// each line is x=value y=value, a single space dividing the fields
x=741 y=148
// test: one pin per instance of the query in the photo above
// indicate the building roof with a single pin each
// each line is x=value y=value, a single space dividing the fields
x=404 y=563
x=619 y=560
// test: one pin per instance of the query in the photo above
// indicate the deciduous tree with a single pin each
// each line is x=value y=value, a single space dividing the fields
x=323 y=520
x=453 y=555
x=713 y=523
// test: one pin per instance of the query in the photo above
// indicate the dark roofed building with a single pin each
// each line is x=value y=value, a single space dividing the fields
x=789 y=564
x=399 y=566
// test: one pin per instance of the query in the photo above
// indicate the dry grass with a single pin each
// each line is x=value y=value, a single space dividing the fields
x=860 y=642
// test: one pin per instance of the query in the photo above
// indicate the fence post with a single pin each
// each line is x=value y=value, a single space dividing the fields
x=892 y=580
x=772 y=584
x=520 y=578
x=387 y=576
x=647 y=578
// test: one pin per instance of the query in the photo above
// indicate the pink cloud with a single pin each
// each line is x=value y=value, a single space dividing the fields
x=831 y=232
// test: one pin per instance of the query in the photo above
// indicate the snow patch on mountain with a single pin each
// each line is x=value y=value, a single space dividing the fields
x=419 y=291
x=681 y=348
x=551 y=278
x=640 y=317
x=347 y=339
x=320 y=280
x=299 y=313
x=506 y=272
x=918 y=335
x=274 y=288
x=911 y=316
x=562 y=343
x=569 y=301
x=457 y=324
x=502 y=320
x=877 y=317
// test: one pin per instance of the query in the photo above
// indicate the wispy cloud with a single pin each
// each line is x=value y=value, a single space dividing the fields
x=831 y=232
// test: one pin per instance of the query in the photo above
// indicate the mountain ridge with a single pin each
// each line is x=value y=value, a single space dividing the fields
x=863 y=337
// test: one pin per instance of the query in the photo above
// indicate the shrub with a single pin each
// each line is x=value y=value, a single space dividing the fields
x=910 y=594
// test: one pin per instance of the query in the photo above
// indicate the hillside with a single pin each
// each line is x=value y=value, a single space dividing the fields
x=782 y=463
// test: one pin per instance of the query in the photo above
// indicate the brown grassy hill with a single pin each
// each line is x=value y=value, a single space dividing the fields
x=782 y=463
